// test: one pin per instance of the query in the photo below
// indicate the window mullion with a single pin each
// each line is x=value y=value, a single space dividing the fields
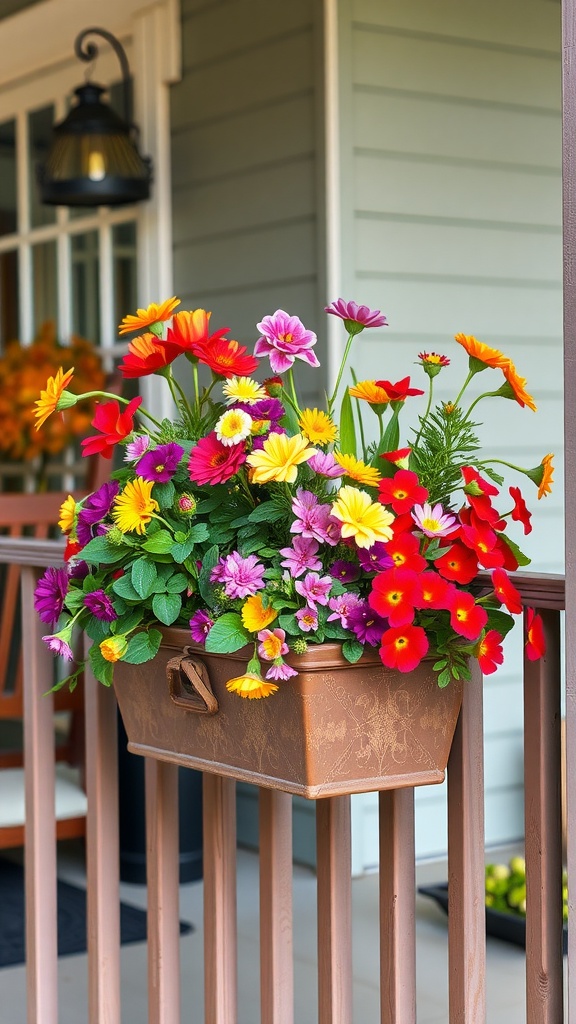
x=26 y=284
x=106 y=270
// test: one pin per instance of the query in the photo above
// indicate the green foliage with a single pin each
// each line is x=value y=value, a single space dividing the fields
x=447 y=443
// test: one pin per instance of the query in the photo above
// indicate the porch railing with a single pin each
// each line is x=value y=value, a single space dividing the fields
x=466 y=941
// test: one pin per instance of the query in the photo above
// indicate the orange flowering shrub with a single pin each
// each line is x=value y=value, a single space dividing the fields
x=23 y=372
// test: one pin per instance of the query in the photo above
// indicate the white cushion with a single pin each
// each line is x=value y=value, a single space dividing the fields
x=71 y=799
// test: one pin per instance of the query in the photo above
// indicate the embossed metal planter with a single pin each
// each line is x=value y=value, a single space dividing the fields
x=334 y=728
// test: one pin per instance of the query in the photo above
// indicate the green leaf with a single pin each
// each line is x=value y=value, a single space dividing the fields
x=144 y=575
x=166 y=607
x=100 y=551
x=180 y=552
x=96 y=629
x=123 y=587
x=143 y=647
x=519 y=555
x=227 y=635
x=267 y=512
x=206 y=588
x=289 y=623
x=198 y=533
x=336 y=631
x=499 y=620
x=159 y=543
x=347 y=428
x=127 y=622
x=102 y=669
x=74 y=600
x=352 y=650
x=444 y=678
x=164 y=494
x=177 y=583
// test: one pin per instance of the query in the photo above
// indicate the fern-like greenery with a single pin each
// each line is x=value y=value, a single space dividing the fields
x=445 y=443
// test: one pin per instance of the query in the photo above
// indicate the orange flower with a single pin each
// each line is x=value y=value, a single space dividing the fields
x=49 y=398
x=518 y=385
x=547 y=476
x=484 y=353
x=146 y=317
x=369 y=391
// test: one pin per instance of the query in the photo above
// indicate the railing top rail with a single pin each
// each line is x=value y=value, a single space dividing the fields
x=31 y=551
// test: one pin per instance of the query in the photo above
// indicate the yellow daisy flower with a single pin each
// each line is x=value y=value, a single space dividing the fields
x=49 y=399
x=243 y=389
x=251 y=686
x=233 y=426
x=113 y=647
x=135 y=506
x=145 y=317
x=369 y=391
x=361 y=518
x=358 y=470
x=255 y=616
x=317 y=426
x=279 y=458
x=67 y=514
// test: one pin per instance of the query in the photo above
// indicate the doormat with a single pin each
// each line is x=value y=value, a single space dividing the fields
x=71 y=917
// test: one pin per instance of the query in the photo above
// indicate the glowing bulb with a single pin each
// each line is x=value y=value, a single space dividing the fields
x=96 y=167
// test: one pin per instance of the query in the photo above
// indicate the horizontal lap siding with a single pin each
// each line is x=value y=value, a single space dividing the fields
x=245 y=163
x=452 y=222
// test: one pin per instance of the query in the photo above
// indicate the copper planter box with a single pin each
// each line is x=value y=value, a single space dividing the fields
x=334 y=728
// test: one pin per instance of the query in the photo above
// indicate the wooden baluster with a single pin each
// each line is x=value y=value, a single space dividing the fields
x=397 y=907
x=276 y=963
x=333 y=842
x=103 y=853
x=220 y=955
x=40 y=848
x=163 y=870
x=467 y=919
x=543 y=830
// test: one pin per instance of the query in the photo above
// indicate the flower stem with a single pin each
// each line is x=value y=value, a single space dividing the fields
x=485 y=394
x=340 y=372
x=471 y=374
x=294 y=401
x=427 y=413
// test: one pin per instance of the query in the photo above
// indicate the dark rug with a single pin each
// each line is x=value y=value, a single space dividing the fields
x=71 y=917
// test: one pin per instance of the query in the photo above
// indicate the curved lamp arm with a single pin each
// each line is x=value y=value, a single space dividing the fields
x=90 y=51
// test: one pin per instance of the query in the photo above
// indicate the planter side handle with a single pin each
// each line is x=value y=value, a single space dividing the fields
x=189 y=685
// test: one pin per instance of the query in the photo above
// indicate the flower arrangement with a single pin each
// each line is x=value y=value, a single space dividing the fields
x=23 y=372
x=250 y=520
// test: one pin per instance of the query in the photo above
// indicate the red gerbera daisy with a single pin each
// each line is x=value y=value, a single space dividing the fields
x=506 y=592
x=458 y=564
x=114 y=426
x=403 y=648
x=520 y=513
x=466 y=617
x=227 y=358
x=190 y=331
x=489 y=652
x=147 y=354
x=395 y=593
x=212 y=462
x=402 y=491
x=399 y=391
x=535 y=640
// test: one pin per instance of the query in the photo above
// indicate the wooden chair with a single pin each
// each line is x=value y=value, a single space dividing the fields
x=33 y=515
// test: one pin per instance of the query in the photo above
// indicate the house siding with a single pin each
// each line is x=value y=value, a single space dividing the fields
x=246 y=180
x=451 y=212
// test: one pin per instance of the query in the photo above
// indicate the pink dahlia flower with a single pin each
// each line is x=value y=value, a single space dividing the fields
x=284 y=339
x=356 y=317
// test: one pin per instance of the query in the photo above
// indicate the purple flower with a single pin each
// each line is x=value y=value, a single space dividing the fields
x=307 y=619
x=376 y=558
x=312 y=519
x=258 y=440
x=301 y=556
x=280 y=670
x=100 y=605
x=200 y=626
x=58 y=645
x=346 y=572
x=325 y=464
x=356 y=317
x=266 y=409
x=159 y=464
x=285 y=339
x=314 y=589
x=95 y=509
x=366 y=625
x=241 y=576
x=342 y=606
x=49 y=595
x=136 y=448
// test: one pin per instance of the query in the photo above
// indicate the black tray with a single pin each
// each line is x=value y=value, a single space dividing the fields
x=509 y=927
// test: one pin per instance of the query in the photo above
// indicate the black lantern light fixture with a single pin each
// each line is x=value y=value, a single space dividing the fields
x=93 y=159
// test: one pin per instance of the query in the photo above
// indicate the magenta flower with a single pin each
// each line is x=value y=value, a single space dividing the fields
x=241 y=577
x=284 y=339
x=366 y=624
x=135 y=449
x=49 y=595
x=434 y=522
x=200 y=626
x=266 y=409
x=301 y=556
x=159 y=464
x=342 y=606
x=281 y=671
x=376 y=558
x=346 y=572
x=99 y=604
x=95 y=509
x=312 y=519
x=325 y=464
x=356 y=317
x=59 y=645
x=307 y=619
x=314 y=588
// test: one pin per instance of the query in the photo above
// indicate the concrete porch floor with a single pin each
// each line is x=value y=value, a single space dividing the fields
x=505 y=971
